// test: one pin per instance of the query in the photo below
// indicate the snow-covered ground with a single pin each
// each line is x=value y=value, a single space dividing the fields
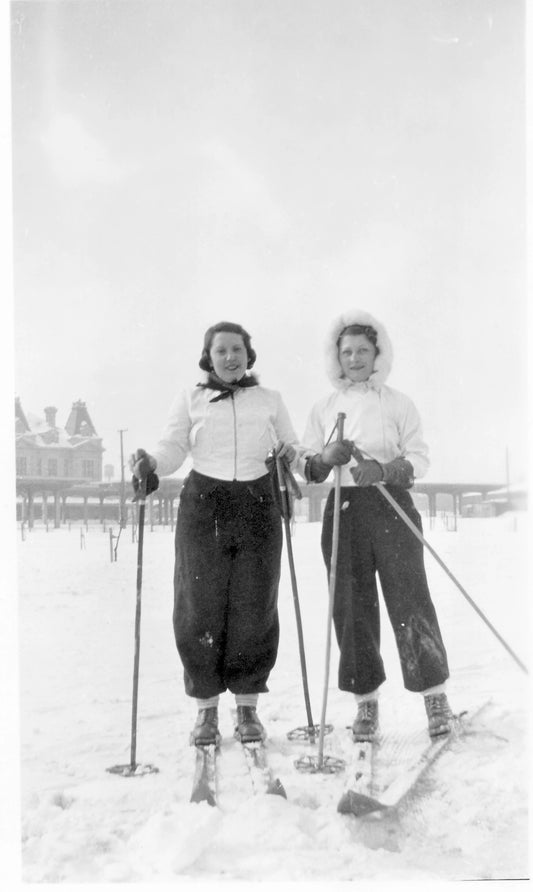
x=468 y=821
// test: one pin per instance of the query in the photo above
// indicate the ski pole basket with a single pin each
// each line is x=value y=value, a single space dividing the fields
x=320 y=764
x=308 y=732
x=133 y=770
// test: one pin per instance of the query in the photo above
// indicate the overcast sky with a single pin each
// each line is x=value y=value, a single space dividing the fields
x=272 y=162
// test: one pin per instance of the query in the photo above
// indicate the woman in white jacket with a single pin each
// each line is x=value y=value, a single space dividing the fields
x=385 y=427
x=228 y=533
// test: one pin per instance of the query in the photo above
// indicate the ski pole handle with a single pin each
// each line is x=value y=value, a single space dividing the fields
x=340 y=425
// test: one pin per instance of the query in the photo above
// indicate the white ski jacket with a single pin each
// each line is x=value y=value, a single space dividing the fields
x=229 y=439
x=383 y=423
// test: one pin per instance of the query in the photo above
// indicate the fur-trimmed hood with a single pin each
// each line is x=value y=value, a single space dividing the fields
x=383 y=361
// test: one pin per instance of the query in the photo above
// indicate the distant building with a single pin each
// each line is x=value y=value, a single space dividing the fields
x=48 y=452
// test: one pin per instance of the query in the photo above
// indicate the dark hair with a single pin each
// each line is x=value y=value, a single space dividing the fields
x=368 y=330
x=205 y=360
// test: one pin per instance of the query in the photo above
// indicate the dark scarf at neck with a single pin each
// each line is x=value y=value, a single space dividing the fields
x=226 y=388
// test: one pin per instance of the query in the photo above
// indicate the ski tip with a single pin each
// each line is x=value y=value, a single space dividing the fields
x=357 y=804
x=276 y=788
x=202 y=793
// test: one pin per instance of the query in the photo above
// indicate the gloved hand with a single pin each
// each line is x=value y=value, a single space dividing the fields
x=337 y=453
x=315 y=469
x=292 y=489
x=399 y=472
x=318 y=467
x=141 y=463
x=143 y=468
x=285 y=450
x=367 y=472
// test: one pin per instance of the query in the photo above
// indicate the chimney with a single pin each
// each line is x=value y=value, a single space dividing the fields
x=50 y=413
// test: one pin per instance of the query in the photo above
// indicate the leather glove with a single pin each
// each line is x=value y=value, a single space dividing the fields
x=292 y=490
x=143 y=468
x=399 y=472
x=336 y=453
x=152 y=483
x=318 y=466
x=367 y=472
x=141 y=463
x=315 y=469
x=285 y=450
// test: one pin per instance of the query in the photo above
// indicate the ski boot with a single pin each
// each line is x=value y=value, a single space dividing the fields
x=205 y=731
x=365 y=726
x=440 y=716
x=249 y=728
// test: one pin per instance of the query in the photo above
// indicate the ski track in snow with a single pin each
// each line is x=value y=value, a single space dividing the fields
x=467 y=820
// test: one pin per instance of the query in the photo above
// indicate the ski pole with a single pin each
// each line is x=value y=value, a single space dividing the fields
x=310 y=731
x=465 y=594
x=414 y=529
x=140 y=542
x=319 y=763
x=133 y=769
x=332 y=583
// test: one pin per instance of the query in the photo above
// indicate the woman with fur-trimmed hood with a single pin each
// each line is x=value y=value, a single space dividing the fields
x=384 y=427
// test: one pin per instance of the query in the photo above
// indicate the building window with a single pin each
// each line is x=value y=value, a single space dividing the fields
x=65 y=468
x=52 y=467
x=22 y=467
x=39 y=467
x=88 y=469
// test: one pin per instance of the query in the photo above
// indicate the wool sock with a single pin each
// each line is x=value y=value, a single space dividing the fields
x=246 y=699
x=206 y=704
x=372 y=695
x=437 y=689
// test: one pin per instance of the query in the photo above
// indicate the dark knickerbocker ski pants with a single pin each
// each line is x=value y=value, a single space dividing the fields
x=373 y=538
x=228 y=549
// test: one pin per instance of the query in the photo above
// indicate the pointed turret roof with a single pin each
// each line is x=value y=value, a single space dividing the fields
x=21 y=422
x=79 y=422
